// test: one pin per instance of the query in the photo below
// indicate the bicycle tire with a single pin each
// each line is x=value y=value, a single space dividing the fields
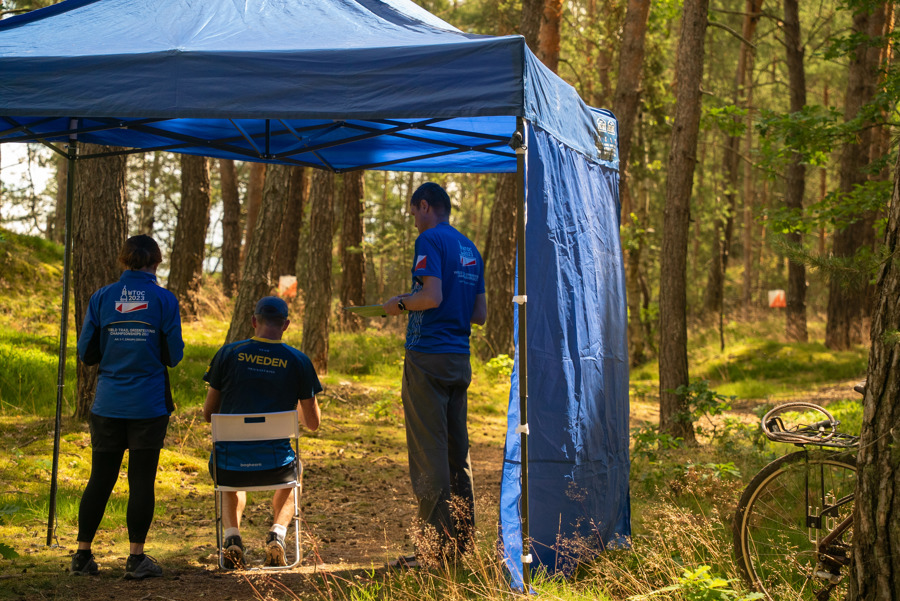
x=771 y=535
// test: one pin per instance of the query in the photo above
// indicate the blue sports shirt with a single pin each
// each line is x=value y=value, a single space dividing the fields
x=260 y=376
x=133 y=330
x=445 y=253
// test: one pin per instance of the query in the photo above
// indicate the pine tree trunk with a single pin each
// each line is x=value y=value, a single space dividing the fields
x=59 y=221
x=252 y=202
x=795 y=176
x=255 y=281
x=189 y=247
x=724 y=227
x=549 y=36
x=353 y=260
x=289 y=240
x=148 y=203
x=673 y=364
x=500 y=269
x=317 y=313
x=625 y=107
x=749 y=201
x=875 y=571
x=231 y=227
x=530 y=25
x=99 y=229
x=846 y=303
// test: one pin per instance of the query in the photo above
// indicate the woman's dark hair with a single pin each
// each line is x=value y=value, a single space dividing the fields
x=436 y=197
x=139 y=252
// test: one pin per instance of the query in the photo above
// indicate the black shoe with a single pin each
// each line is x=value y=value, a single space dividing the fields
x=274 y=550
x=83 y=564
x=233 y=553
x=141 y=566
x=404 y=562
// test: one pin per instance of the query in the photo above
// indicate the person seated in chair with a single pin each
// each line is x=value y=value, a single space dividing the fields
x=259 y=375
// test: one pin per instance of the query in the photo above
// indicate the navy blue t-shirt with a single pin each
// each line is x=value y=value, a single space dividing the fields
x=444 y=253
x=260 y=376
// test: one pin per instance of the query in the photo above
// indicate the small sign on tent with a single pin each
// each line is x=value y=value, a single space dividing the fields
x=777 y=299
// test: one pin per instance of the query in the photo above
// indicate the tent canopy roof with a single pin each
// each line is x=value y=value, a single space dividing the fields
x=339 y=84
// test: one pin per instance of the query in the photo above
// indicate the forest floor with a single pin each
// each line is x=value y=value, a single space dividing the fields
x=357 y=508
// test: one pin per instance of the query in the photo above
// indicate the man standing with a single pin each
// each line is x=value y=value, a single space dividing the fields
x=447 y=297
x=260 y=375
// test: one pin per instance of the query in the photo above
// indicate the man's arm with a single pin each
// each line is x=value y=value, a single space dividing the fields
x=430 y=296
x=309 y=413
x=212 y=404
x=479 y=313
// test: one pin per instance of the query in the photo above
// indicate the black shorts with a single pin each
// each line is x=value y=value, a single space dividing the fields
x=118 y=434
x=237 y=478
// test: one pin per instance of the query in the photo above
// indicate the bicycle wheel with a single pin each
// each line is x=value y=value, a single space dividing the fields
x=790 y=505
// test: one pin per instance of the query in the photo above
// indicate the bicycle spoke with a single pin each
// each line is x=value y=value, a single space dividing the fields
x=774 y=535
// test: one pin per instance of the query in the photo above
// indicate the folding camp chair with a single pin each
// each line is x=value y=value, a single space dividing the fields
x=257 y=427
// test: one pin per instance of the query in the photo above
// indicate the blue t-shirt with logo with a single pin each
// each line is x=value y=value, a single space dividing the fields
x=260 y=376
x=444 y=253
x=133 y=329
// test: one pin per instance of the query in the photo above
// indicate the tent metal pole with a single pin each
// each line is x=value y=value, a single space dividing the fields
x=63 y=335
x=521 y=298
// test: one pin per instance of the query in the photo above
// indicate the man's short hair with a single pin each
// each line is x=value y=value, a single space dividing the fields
x=436 y=197
x=271 y=310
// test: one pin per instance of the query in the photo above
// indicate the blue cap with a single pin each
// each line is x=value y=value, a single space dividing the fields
x=271 y=306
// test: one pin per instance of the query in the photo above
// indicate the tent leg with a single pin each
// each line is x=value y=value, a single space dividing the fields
x=63 y=335
x=523 y=350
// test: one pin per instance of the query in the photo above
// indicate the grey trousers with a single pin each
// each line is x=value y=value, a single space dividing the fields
x=434 y=396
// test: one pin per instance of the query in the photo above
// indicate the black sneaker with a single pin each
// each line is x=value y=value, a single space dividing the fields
x=141 y=566
x=274 y=550
x=83 y=564
x=233 y=553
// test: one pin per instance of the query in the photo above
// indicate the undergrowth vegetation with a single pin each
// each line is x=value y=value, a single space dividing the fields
x=682 y=496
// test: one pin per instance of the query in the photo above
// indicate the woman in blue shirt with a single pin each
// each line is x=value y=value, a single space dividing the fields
x=132 y=329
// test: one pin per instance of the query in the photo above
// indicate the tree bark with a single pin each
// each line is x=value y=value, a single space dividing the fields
x=252 y=202
x=673 y=363
x=846 y=304
x=625 y=107
x=749 y=202
x=255 y=281
x=353 y=260
x=189 y=247
x=530 y=26
x=289 y=240
x=548 y=38
x=795 y=176
x=59 y=221
x=148 y=203
x=99 y=229
x=875 y=571
x=231 y=227
x=317 y=313
x=500 y=269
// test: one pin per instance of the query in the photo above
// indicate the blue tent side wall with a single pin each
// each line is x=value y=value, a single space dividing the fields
x=578 y=367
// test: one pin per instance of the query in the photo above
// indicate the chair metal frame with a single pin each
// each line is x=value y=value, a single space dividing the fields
x=258 y=427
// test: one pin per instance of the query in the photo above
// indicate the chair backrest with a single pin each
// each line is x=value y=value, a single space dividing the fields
x=255 y=426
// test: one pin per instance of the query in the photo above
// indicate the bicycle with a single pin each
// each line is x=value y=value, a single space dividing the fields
x=793 y=524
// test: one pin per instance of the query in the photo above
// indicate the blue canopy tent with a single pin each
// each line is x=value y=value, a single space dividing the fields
x=380 y=84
